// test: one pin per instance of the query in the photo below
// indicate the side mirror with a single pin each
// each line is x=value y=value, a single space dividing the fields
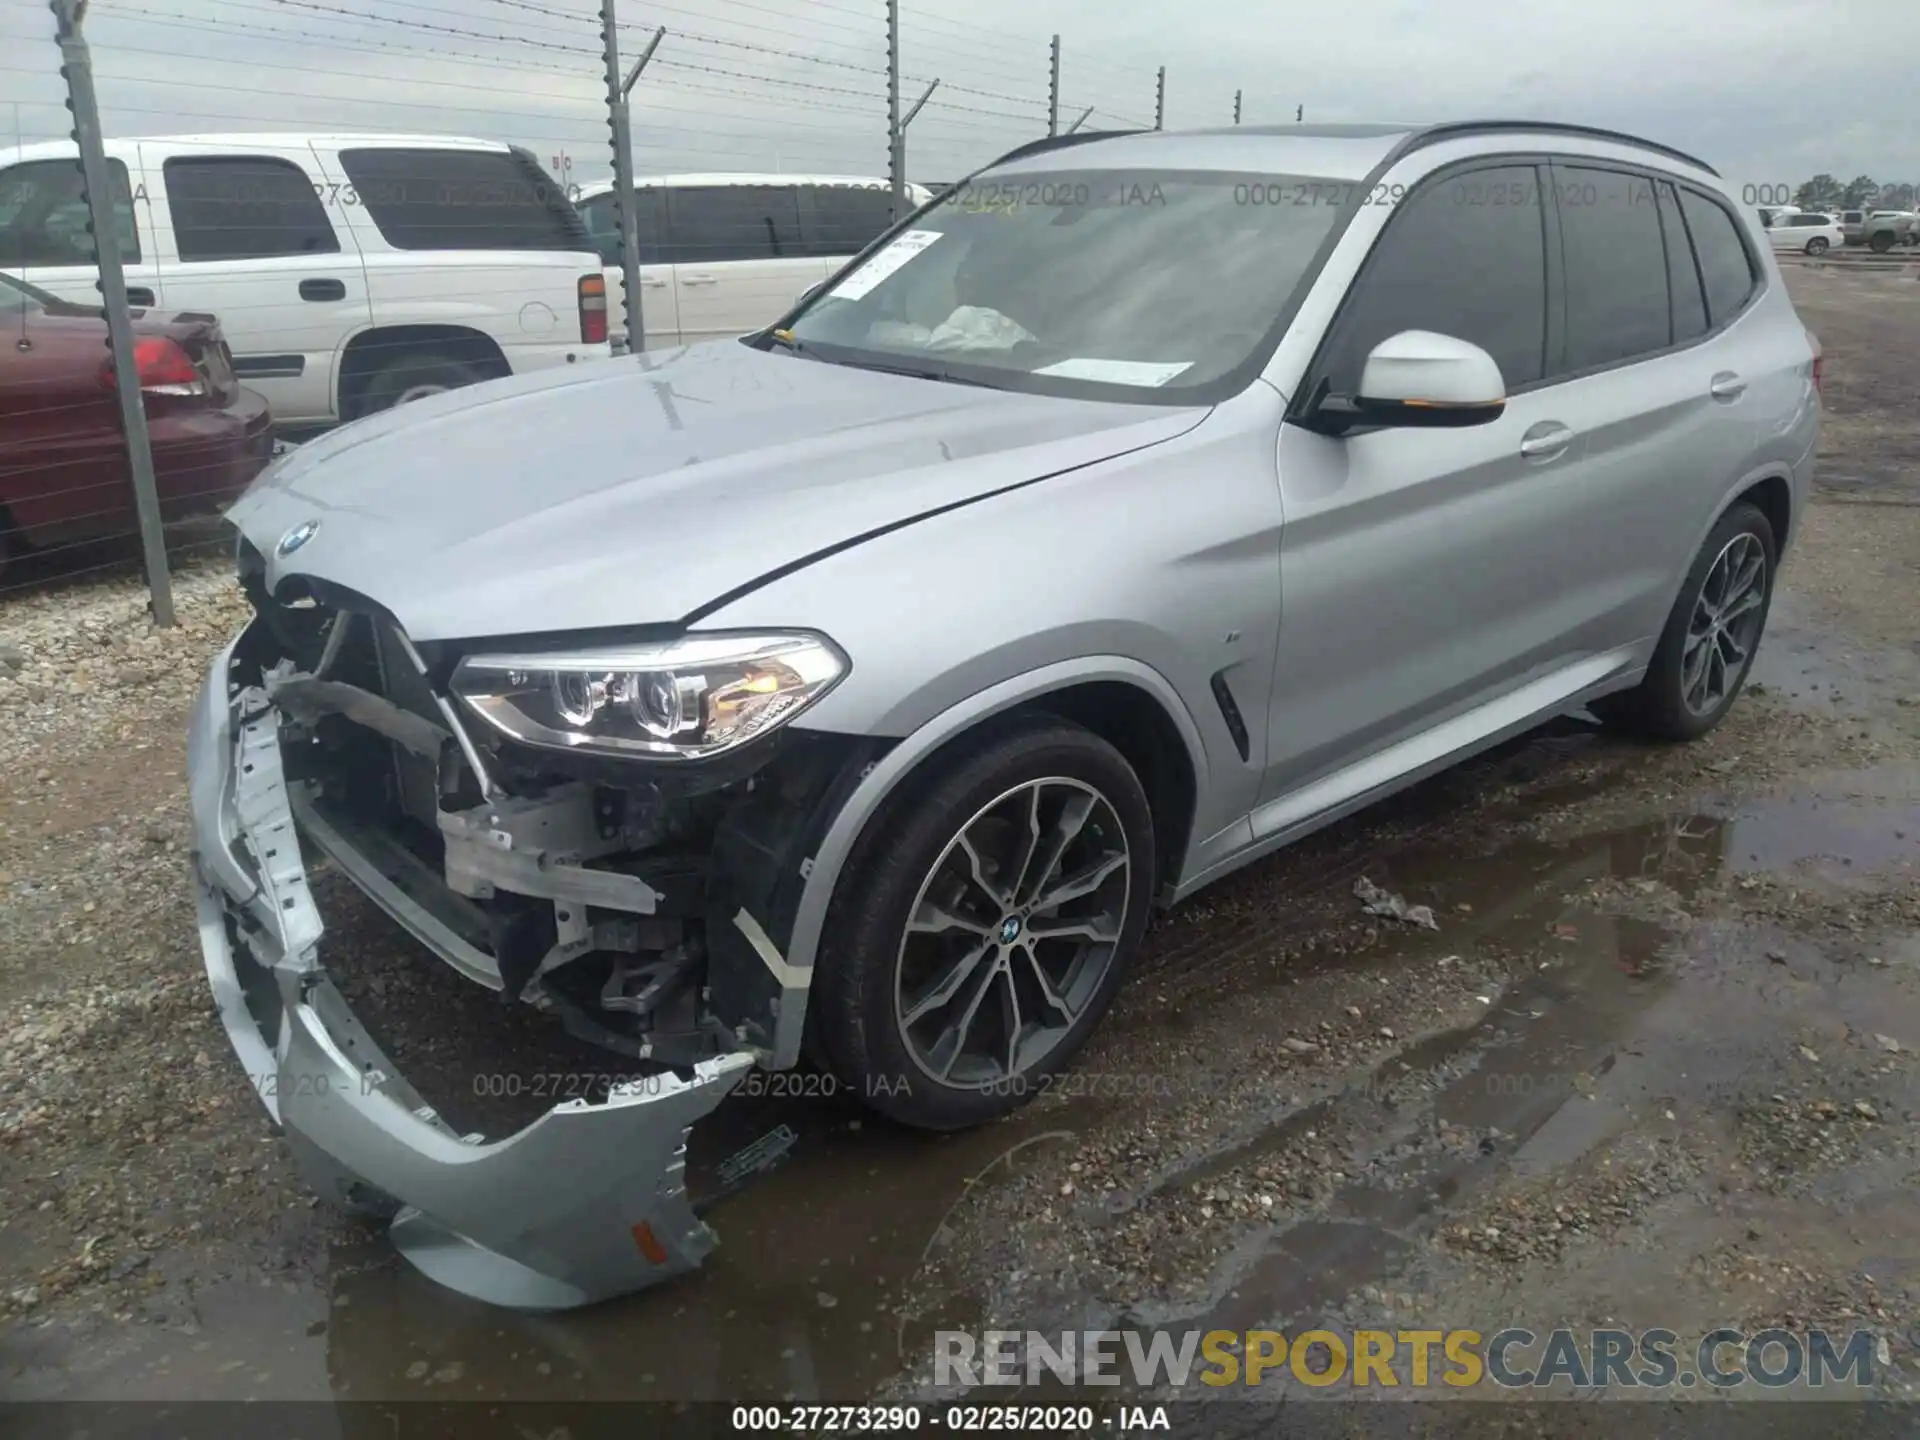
x=1418 y=378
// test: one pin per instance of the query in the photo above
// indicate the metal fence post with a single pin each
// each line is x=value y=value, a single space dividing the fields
x=1236 y=107
x=896 y=129
x=76 y=67
x=1053 y=89
x=1160 y=101
x=620 y=122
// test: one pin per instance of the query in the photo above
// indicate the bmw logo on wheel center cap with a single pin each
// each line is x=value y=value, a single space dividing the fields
x=296 y=537
x=1009 y=929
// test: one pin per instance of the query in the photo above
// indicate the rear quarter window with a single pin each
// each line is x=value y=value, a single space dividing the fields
x=1727 y=267
x=423 y=199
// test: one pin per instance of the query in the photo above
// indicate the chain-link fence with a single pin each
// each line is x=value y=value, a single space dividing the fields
x=324 y=209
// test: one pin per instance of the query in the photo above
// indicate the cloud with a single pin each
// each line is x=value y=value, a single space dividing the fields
x=1767 y=90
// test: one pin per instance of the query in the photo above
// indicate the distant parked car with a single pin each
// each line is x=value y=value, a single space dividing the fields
x=1770 y=214
x=725 y=254
x=351 y=272
x=1811 y=234
x=1878 y=230
x=1906 y=225
x=64 y=475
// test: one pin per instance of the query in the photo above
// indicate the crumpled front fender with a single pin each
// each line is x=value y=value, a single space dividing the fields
x=587 y=1202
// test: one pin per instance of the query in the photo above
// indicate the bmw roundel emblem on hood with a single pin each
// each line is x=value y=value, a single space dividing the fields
x=296 y=537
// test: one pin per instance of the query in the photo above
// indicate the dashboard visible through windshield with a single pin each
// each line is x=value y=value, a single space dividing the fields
x=1145 y=280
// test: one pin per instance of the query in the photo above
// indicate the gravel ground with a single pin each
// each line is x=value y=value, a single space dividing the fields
x=1665 y=1028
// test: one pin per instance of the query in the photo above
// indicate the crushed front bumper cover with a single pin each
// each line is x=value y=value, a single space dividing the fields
x=586 y=1203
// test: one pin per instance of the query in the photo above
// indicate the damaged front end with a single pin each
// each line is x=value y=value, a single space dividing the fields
x=642 y=903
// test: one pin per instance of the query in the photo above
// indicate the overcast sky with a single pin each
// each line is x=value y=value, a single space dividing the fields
x=1769 y=91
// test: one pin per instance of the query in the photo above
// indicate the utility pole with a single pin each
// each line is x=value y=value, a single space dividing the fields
x=896 y=135
x=620 y=121
x=1299 y=113
x=1160 y=101
x=76 y=67
x=1236 y=107
x=1053 y=90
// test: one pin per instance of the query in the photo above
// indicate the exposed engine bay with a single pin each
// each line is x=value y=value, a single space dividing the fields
x=642 y=904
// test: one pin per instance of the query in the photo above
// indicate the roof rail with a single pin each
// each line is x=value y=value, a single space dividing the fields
x=1452 y=129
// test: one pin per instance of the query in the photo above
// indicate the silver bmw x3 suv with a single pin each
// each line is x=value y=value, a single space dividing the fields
x=850 y=692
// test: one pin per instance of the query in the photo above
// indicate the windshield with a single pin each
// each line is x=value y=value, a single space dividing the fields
x=1157 y=282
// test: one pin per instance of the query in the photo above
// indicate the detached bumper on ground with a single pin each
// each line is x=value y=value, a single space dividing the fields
x=586 y=1203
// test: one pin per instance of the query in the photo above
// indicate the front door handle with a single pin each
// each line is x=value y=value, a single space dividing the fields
x=1545 y=440
x=323 y=289
x=1727 y=386
x=139 y=295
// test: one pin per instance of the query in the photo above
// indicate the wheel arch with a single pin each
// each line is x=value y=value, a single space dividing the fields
x=1128 y=703
x=367 y=350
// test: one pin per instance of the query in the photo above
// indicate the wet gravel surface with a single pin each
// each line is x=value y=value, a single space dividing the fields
x=1636 y=1045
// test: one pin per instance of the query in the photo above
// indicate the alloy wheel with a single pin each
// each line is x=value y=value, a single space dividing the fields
x=1725 y=625
x=1012 y=932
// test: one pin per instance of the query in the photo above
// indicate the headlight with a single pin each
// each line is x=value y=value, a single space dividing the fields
x=679 y=700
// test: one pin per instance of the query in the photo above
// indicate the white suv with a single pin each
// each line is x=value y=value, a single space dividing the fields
x=349 y=272
x=727 y=254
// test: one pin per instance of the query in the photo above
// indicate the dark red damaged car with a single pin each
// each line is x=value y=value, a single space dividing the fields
x=64 y=473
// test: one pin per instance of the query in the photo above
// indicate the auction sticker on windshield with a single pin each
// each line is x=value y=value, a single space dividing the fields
x=902 y=248
x=1117 y=372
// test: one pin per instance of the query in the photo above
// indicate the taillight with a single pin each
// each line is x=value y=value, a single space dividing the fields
x=163 y=367
x=593 y=309
x=1819 y=360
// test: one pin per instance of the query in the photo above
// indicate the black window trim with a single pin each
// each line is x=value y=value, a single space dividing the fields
x=1306 y=397
x=225 y=157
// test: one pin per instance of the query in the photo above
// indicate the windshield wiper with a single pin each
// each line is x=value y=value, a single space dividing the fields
x=917 y=372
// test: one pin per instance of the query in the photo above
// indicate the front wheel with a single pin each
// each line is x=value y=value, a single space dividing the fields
x=1710 y=637
x=983 y=926
x=1817 y=245
x=1880 y=244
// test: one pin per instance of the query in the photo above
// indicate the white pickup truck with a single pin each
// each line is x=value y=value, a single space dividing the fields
x=349 y=272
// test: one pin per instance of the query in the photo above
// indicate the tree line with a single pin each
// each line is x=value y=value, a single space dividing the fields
x=1863 y=192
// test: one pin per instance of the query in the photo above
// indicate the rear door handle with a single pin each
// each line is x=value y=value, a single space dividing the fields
x=323 y=289
x=696 y=280
x=1545 y=440
x=653 y=282
x=139 y=295
x=1727 y=386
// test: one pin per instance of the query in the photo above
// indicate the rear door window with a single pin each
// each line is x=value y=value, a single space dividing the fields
x=842 y=220
x=1727 y=268
x=1616 y=266
x=422 y=199
x=1464 y=255
x=1683 y=275
x=711 y=224
x=245 y=207
x=44 y=217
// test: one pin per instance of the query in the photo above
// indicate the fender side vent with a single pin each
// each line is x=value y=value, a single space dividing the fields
x=1230 y=712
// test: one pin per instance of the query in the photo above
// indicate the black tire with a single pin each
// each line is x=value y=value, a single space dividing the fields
x=854 y=1015
x=1817 y=245
x=1657 y=708
x=412 y=374
x=1881 y=243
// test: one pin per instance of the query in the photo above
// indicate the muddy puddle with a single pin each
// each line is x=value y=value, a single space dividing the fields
x=836 y=1266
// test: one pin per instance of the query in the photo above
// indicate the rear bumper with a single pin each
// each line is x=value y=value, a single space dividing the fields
x=211 y=454
x=586 y=1203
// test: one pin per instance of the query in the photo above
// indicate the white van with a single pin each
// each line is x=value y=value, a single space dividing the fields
x=349 y=272
x=727 y=254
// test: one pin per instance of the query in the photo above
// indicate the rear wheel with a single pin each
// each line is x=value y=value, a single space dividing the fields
x=413 y=375
x=1881 y=243
x=984 y=926
x=1817 y=245
x=1710 y=638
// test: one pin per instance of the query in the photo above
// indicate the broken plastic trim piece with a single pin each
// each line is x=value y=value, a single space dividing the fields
x=586 y=1203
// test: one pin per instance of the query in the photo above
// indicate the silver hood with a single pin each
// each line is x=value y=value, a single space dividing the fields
x=642 y=489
